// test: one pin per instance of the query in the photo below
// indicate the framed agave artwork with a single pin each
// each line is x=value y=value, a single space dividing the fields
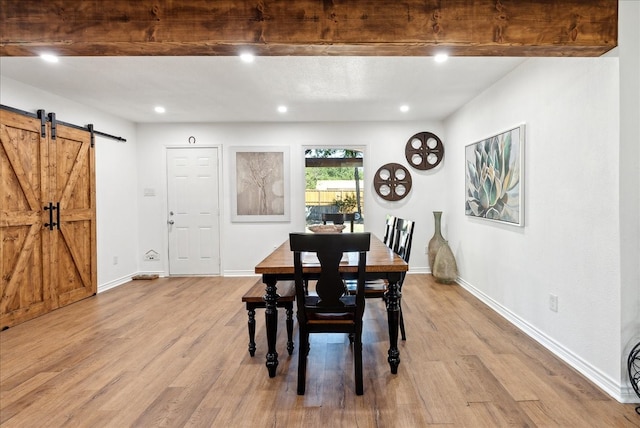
x=494 y=177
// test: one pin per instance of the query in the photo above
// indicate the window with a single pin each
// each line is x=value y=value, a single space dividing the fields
x=334 y=184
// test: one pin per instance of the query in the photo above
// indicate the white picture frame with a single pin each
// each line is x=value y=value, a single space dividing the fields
x=494 y=177
x=260 y=178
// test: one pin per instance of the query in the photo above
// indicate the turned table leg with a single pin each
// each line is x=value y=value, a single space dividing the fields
x=271 y=321
x=393 y=297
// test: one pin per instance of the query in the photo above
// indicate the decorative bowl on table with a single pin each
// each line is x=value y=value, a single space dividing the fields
x=327 y=228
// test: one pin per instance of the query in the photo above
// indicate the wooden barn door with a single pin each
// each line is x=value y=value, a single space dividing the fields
x=74 y=272
x=24 y=256
x=47 y=217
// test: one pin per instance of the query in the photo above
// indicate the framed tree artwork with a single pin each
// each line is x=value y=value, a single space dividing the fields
x=260 y=184
x=494 y=177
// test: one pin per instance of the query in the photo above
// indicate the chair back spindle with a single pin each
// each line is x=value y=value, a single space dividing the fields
x=389 y=230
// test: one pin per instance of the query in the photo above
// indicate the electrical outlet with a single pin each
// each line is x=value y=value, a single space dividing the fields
x=553 y=302
x=115 y=260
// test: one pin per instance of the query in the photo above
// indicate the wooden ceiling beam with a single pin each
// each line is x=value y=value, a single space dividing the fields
x=308 y=27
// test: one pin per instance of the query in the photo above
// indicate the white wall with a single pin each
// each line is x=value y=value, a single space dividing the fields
x=570 y=245
x=245 y=244
x=116 y=179
x=629 y=52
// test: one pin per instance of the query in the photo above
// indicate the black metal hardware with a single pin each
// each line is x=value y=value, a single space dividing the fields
x=43 y=120
x=633 y=366
x=43 y=123
x=51 y=209
x=93 y=137
x=57 y=208
x=52 y=119
x=17 y=110
x=113 y=137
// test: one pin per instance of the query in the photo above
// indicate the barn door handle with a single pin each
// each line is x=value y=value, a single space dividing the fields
x=57 y=208
x=51 y=209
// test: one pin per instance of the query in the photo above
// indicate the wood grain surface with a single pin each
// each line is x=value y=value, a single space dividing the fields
x=172 y=352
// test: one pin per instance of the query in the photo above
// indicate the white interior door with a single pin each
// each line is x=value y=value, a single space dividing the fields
x=193 y=217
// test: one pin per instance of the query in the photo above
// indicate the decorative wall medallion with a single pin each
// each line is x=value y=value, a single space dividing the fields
x=392 y=182
x=424 y=150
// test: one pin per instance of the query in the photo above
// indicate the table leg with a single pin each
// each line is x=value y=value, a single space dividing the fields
x=393 y=315
x=271 y=321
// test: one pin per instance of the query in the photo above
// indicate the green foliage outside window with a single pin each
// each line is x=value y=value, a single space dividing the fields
x=346 y=205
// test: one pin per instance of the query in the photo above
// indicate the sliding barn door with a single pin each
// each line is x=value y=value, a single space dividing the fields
x=24 y=258
x=47 y=217
x=74 y=272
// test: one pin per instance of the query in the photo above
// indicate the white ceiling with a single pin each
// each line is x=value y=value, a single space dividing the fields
x=225 y=89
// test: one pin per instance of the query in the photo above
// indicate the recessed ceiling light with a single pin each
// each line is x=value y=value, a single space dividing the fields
x=160 y=109
x=49 y=57
x=247 y=57
x=404 y=108
x=441 y=57
x=282 y=109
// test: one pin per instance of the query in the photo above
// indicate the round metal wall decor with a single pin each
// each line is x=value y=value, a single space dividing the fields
x=392 y=182
x=424 y=150
x=633 y=365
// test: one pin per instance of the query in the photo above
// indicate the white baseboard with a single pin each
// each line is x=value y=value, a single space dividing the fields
x=622 y=394
x=418 y=270
x=239 y=273
x=116 y=282
x=112 y=284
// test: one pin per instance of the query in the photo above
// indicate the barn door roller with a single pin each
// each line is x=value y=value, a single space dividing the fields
x=52 y=119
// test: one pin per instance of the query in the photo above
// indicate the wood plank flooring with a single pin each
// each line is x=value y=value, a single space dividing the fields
x=172 y=352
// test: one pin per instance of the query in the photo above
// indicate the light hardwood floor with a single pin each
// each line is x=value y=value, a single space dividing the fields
x=172 y=352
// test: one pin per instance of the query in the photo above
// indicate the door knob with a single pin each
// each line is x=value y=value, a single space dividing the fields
x=170 y=221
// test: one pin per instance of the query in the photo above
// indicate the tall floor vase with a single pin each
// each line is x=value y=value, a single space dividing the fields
x=436 y=241
x=441 y=259
x=445 y=268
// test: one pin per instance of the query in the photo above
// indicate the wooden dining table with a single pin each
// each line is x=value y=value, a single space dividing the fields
x=382 y=263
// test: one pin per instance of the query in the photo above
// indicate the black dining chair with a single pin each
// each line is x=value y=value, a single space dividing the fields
x=330 y=310
x=389 y=229
x=401 y=245
x=339 y=218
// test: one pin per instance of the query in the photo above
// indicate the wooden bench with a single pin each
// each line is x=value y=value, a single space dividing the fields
x=253 y=300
